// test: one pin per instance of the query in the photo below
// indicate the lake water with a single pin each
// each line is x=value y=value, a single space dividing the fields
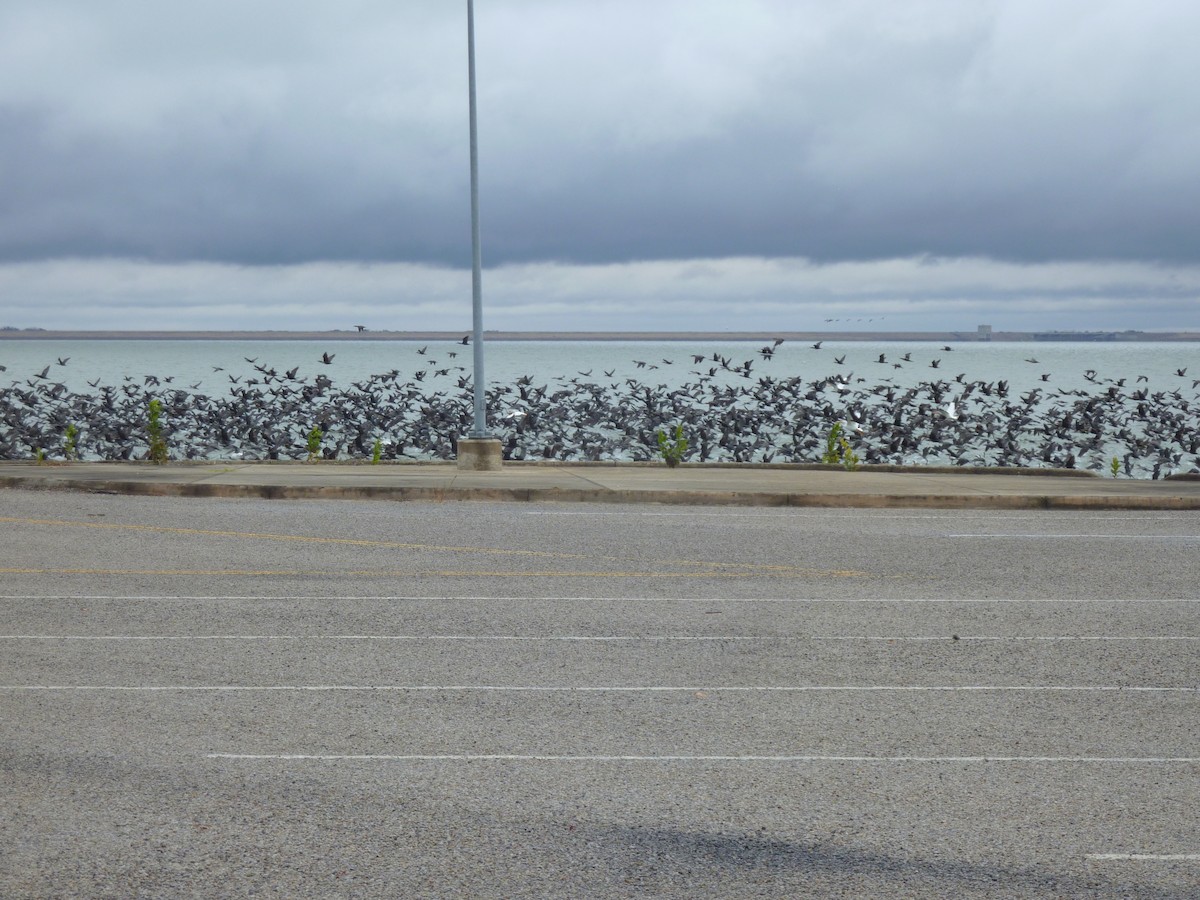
x=546 y=362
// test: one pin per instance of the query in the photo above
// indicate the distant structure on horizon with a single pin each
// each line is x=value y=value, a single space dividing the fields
x=1129 y=335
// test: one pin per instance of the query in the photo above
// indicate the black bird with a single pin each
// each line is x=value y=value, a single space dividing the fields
x=840 y=360
x=63 y=360
x=327 y=358
x=935 y=364
x=466 y=340
x=817 y=345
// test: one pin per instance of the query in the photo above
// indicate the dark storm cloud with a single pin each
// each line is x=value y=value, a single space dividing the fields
x=612 y=131
x=186 y=199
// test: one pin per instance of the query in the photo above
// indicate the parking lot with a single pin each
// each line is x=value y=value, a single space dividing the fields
x=308 y=698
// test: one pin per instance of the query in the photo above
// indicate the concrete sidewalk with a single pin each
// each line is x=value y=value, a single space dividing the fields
x=696 y=484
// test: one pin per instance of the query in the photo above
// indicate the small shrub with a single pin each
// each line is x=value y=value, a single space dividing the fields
x=838 y=450
x=70 y=442
x=314 y=442
x=672 y=449
x=154 y=430
x=1115 y=467
x=377 y=452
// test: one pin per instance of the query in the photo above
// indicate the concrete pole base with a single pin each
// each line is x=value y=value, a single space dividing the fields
x=479 y=455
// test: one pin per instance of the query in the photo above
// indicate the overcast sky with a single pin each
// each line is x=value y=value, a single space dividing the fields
x=644 y=164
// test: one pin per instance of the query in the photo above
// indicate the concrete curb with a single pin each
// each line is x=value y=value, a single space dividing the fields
x=599 y=495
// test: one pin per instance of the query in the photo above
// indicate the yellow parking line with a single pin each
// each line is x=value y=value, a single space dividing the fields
x=761 y=568
x=298 y=538
x=439 y=573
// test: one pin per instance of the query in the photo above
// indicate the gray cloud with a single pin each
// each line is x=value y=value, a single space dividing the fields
x=282 y=133
x=755 y=163
x=729 y=294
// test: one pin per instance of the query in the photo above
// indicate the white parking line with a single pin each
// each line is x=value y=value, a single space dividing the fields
x=393 y=637
x=1053 y=638
x=547 y=757
x=613 y=689
x=1045 y=536
x=776 y=516
x=1151 y=857
x=606 y=638
x=632 y=599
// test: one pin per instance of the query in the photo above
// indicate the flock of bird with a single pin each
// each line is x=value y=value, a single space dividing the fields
x=729 y=412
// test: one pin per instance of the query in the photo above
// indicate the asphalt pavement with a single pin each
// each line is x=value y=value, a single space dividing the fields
x=214 y=697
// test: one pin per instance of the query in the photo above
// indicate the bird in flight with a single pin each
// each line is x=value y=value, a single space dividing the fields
x=327 y=358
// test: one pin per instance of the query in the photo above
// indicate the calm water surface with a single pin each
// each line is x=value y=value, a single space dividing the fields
x=189 y=363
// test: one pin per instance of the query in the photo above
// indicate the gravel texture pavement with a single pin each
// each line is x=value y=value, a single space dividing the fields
x=216 y=698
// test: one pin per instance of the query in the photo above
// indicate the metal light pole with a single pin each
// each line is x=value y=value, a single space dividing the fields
x=479 y=430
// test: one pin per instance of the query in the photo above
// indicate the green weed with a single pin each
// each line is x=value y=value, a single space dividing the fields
x=838 y=450
x=672 y=449
x=154 y=431
x=314 y=442
x=70 y=442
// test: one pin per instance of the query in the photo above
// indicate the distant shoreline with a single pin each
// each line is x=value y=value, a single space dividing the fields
x=656 y=336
